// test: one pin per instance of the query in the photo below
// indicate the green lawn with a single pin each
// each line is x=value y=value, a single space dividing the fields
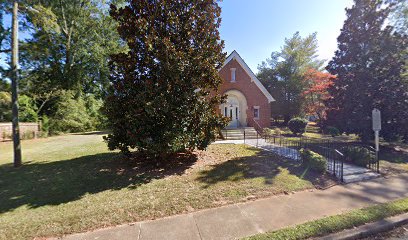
x=73 y=183
x=393 y=156
x=337 y=223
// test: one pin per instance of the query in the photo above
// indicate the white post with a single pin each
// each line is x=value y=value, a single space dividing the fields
x=377 y=140
x=376 y=118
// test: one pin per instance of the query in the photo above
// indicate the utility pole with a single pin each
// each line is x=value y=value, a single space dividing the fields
x=14 y=86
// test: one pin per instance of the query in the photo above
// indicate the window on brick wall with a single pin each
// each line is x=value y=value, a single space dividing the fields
x=256 y=112
x=233 y=74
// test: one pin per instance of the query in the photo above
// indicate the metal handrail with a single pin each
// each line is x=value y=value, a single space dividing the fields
x=226 y=130
x=342 y=164
x=376 y=160
x=323 y=147
x=258 y=126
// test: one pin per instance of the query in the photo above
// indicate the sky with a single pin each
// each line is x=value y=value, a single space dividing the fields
x=256 y=28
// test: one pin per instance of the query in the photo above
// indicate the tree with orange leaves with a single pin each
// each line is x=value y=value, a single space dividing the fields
x=316 y=92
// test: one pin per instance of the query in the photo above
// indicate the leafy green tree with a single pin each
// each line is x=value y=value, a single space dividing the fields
x=369 y=64
x=399 y=19
x=69 y=48
x=94 y=110
x=70 y=44
x=70 y=115
x=5 y=106
x=4 y=86
x=163 y=98
x=27 y=109
x=3 y=35
x=282 y=74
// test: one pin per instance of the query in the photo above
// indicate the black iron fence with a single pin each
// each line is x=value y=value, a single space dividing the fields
x=333 y=151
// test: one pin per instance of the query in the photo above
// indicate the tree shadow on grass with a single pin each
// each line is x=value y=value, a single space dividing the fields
x=265 y=165
x=52 y=183
x=391 y=155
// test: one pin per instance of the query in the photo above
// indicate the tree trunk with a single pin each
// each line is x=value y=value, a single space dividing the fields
x=14 y=86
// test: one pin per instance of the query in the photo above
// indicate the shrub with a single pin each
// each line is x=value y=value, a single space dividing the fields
x=267 y=132
x=359 y=156
x=313 y=160
x=277 y=131
x=333 y=131
x=297 y=125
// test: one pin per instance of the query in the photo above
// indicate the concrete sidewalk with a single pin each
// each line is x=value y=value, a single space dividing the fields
x=245 y=219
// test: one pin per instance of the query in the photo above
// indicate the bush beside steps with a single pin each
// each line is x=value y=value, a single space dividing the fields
x=313 y=160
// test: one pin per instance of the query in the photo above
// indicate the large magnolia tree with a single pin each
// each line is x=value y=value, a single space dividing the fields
x=162 y=97
x=369 y=65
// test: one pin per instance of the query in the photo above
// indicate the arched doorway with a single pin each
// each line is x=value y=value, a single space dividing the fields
x=235 y=108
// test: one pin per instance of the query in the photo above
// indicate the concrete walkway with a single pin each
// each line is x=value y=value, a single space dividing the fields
x=245 y=219
x=352 y=173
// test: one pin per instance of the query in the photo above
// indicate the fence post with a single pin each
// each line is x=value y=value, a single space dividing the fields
x=378 y=161
x=256 y=138
x=244 y=136
x=334 y=158
x=342 y=160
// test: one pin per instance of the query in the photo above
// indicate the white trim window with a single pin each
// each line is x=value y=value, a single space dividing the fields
x=233 y=78
x=256 y=112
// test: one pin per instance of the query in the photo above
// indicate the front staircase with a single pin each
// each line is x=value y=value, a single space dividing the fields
x=239 y=133
x=354 y=173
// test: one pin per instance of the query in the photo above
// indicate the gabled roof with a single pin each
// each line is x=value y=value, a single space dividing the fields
x=237 y=57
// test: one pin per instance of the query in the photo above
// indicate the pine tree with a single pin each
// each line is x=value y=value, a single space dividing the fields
x=162 y=98
x=368 y=65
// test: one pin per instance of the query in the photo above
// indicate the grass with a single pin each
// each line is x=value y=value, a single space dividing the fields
x=393 y=156
x=337 y=223
x=313 y=131
x=73 y=184
x=393 y=161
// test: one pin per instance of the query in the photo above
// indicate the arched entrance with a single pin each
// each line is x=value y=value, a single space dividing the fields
x=235 y=108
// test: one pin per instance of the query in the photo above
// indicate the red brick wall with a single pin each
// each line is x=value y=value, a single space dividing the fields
x=252 y=93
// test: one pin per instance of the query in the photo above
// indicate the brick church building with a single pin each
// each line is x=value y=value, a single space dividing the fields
x=248 y=102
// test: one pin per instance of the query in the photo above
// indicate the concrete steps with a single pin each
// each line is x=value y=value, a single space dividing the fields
x=238 y=133
x=353 y=173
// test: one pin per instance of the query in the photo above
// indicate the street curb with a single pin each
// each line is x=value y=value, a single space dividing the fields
x=369 y=229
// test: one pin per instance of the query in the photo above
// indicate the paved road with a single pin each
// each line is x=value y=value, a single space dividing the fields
x=397 y=233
